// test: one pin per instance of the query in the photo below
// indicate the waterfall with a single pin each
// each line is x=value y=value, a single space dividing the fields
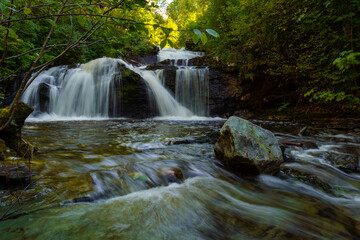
x=94 y=89
x=192 y=89
x=191 y=83
x=87 y=90
x=166 y=103
x=177 y=55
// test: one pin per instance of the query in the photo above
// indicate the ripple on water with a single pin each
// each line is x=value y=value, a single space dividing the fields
x=136 y=186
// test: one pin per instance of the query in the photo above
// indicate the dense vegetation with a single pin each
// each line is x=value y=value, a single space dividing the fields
x=119 y=33
x=311 y=45
x=308 y=48
x=37 y=34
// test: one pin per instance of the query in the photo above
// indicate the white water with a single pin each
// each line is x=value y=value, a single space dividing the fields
x=192 y=89
x=85 y=91
x=90 y=90
x=166 y=103
x=192 y=84
x=177 y=54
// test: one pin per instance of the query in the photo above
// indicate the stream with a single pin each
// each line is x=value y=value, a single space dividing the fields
x=159 y=179
x=99 y=175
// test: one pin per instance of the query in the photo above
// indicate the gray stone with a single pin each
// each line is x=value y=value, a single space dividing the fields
x=248 y=148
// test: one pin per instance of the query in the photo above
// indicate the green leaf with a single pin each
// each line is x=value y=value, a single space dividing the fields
x=195 y=38
x=212 y=33
x=170 y=43
x=163 y=44
x=27 y=11
x=52 y=22
x=204 y=38
x=166 y=31
x=155 y=27
x=139 y=176
x=197 y=32
x=13 y=34
x=2 y=6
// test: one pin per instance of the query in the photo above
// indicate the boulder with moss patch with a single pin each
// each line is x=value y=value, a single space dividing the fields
x=248 y=148
x=12 y=133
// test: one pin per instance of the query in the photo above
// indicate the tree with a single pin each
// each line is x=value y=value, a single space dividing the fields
x=313 y=45
x=60 y=26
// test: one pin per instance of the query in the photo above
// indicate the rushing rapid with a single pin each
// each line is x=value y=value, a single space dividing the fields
x=156 y=179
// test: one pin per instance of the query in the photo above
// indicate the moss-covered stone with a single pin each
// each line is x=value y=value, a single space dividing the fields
x=248 y=148
x=2 y=149
x=12 y=133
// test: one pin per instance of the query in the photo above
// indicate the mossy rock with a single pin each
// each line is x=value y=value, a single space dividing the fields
x=12 y=133
x=248 y=148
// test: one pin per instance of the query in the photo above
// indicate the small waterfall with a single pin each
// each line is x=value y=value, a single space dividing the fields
x=191 y=83
x=166 y=103
x=177 y=55
x=192 y=89
x=87 y=90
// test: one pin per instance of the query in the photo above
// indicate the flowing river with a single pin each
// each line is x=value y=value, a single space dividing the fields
x=159 y=179
x=100 y=176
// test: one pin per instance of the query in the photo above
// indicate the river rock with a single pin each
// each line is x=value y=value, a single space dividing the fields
x=345 y=162
x=12 y=133
x=44 y=95
x=14 y=173
x=248 y=148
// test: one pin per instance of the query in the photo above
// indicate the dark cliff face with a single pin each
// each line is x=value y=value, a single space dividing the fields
x=134 y=100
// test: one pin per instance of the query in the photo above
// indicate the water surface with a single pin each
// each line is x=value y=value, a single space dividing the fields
x=159 y=179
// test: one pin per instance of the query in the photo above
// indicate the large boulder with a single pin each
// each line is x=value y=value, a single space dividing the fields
x=248 y=148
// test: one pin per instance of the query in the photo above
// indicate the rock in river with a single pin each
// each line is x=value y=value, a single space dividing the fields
x=248 y=148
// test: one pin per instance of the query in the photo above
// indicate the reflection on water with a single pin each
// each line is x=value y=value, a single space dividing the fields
x=154 y=179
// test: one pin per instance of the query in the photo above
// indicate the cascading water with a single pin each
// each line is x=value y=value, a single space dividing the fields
x=192 y=89
x=87 y=90
x=94 y=89
x=191 y=83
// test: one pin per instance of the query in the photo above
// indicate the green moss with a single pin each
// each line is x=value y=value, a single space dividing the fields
x=4 y=115
x=12 y=133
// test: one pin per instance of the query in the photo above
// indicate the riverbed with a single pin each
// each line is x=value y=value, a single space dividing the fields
x=159 y=179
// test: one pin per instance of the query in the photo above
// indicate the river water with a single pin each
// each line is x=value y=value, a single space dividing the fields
x=159 y=179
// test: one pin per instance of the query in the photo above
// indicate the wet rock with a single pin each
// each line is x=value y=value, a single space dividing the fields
x=309 y=145
x=171 y=174
x=44 y=95
x=83 y=199
x=305 y=178
x=345 y=162
x=166 y=64
x=12 y=133
x=14 y=173
x=134 y=100
x=248 y=148
x=182 y=141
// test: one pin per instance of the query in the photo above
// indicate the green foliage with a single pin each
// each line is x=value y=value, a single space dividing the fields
x=283 y=106
x=116 y=38
x=313 y=45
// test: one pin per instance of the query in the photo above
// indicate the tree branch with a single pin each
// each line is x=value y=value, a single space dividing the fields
x=27 y=76
x=6 y=37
